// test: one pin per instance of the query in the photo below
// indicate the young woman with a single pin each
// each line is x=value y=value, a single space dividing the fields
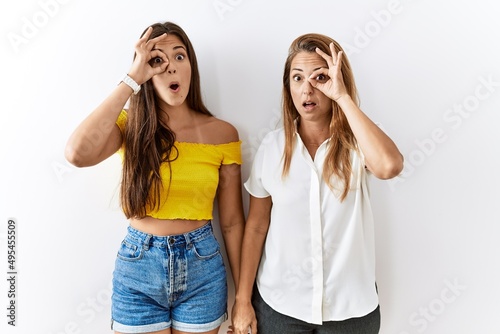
x=169 y=275
x=309 y=239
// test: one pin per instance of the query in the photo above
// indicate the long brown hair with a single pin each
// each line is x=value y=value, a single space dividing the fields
x=148 y=141
x=342 y=141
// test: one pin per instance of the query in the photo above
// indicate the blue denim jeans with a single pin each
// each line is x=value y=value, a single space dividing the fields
x=271 y=322
x=176 y=281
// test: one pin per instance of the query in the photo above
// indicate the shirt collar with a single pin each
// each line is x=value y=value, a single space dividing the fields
x=299 y=139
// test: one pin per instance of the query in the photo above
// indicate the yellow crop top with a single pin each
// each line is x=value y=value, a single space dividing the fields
x=195 y=177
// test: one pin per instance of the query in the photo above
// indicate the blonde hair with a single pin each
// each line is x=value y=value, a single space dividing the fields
x=342 y=141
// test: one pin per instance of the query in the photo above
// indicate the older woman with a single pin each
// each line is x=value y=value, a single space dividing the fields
x=309 y=236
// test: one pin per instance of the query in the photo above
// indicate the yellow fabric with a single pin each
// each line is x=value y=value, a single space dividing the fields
x=195 y=177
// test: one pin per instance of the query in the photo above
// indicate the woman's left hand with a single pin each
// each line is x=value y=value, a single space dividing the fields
x=329 y=80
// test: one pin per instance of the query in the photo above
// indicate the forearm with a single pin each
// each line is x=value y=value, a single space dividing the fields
x=233 y=236
x=251 y=252
x=382 y=156
x=89 y=143
x=231 y=216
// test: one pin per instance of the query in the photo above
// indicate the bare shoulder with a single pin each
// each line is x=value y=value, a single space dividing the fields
x=220 y=132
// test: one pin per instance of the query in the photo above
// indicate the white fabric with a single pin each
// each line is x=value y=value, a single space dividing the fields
x=318 y=262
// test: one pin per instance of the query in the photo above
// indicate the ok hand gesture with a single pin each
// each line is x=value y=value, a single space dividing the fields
x=334 y=86
x=142 y=69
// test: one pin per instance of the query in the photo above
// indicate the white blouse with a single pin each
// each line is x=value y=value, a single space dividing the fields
x=318 y=262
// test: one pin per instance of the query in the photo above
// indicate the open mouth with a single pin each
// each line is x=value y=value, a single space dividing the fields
x=308 y=104
x=174 y=86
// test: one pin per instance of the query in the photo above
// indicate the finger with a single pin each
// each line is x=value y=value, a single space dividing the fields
x=334 y=54
x=318 y=77
x=325 y=56
x=159 y=61
x=241 y=331
x=320 y=71
x=156 y=53
x=253 y=327
x=340 y=57
x=152 y=42
x=144 y=37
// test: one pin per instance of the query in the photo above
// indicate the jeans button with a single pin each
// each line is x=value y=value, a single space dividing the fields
x=171 y=241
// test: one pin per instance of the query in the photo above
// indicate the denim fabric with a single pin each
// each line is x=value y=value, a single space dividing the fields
x=176 y=281
x=271 y=322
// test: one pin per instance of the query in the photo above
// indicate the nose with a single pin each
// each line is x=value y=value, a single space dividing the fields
x=171 y=68
x=307 y=88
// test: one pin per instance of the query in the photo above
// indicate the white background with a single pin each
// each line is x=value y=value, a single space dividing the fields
x=427 y=71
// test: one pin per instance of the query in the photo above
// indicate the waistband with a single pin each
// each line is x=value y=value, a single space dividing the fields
x=150 y=240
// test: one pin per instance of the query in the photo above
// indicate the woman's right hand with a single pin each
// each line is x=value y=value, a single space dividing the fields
x=141 y=70
x=243 y=318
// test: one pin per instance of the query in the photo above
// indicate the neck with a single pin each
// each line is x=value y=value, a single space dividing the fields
x=314 y=133
x=176 y=115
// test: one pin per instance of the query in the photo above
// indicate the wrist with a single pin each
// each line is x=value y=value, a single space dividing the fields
x=343 y=99
x=136 y=76
x=129 y=81
x=243 y=298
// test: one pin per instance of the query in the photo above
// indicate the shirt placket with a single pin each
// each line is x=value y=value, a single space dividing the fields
x=315 y=257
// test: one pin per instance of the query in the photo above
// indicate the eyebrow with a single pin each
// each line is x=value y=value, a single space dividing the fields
x=174 y=48
x=300 y=70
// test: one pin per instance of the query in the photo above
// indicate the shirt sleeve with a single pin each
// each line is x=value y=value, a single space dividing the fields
x=254 y=184
x=231 y=153
x=122 y=121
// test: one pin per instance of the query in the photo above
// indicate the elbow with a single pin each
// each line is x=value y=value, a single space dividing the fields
x=234 y=225
x=391 y=169
x=73 y=157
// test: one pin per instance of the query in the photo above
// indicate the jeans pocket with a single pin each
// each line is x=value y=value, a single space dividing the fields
x=206 y=248
x=129 y=251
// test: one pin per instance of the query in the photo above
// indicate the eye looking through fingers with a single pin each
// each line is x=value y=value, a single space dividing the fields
x=321 y=78
x=156 y=61
x=158 y=58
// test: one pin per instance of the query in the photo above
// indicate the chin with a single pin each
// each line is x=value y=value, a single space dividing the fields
x=176 y=102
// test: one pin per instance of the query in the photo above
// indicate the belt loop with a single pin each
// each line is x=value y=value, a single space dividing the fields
x=188 y=241
x=146 y=242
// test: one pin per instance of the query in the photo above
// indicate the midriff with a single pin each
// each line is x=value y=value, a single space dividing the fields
x=164 y=227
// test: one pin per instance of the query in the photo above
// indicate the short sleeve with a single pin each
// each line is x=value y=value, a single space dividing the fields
x=254 y=184
x=122 y=121
x=231 y=153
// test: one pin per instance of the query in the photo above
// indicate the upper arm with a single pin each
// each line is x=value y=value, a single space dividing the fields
x=93 y=147
x=229 y=188
x=113 y=144
x=229 y=194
